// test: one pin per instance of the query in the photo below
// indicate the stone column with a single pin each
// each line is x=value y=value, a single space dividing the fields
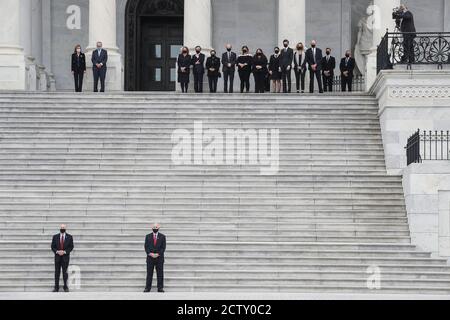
x=102 y=27
x=197 y=30
x=12 y=56
x=382 y=21
x=291 y=21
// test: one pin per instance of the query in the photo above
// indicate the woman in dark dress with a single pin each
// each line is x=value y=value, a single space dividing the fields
x=78 y=67
x=213 y=67
x=259 y=68
x=184 y=67
x=244 y=62
x=275 y=70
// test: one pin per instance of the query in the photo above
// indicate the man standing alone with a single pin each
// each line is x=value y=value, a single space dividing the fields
x=99 y=59
x=155 y=246
x=62 y=246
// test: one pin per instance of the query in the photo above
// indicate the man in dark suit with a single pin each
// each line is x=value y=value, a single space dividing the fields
x=155 y=246
x=328 y=65
x=62 y=246
x=198 y=63
x=409 y=33
x=286 y=57
x=314 y=59
x=347 y=66
x=99 y=59
x=229 y=59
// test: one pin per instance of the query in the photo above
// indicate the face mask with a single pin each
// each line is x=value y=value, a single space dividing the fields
x=313 y=46
x=198 y=51
x=277 y=51
x=62 y=230
x=184 y=51
x=328 y=53
x=244 y=51
x=228 y=49
x=299 y=48
x=347 y=55
x=155 y=230
x=285 y=45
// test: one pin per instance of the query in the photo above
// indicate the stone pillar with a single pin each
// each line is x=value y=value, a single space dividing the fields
x=382 y=21
x=102 y=27
x=291 y=21
x=12 y=56
x=197 y=30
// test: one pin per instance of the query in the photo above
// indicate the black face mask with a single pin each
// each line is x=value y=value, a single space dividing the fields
x=62 y=230
x=285 y=45
x=155 y=230
x=328 y=52
x=347 y=55
x=277 y=51
x=313 y=46
x=184 y=51
x=244 y=51
x=299 y=48
x=198 y=51
x=228 y=49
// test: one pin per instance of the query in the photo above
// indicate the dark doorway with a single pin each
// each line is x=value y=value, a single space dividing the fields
x=153 y=38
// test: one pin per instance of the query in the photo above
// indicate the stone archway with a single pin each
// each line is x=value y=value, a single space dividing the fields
x=153 y=36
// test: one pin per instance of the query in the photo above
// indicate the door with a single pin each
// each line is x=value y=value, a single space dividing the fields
x=161 y=40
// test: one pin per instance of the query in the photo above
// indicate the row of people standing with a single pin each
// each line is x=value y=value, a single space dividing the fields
x=278 y=69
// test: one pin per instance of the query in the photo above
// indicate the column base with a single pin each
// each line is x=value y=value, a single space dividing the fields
x=13 y=75
x=114 y=73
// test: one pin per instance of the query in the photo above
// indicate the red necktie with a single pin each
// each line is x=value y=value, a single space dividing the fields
x=154 y=240
x=61 y=242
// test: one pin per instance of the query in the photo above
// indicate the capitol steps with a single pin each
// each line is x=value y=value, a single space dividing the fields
x=102 y=164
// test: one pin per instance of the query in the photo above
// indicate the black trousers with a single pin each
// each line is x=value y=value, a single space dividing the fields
x=245 y=81
x=327 y=83
x=212 y=81
x=198 y=82
x=346 y=82
x=184 y=86
x=99 y=74
x=228 y=77
x=78 y=78
x=408 y=48
x=286 y=78
x=311 y=80
x=157 y=263
x=300 y=79
x=61 y=262
x=260 y=82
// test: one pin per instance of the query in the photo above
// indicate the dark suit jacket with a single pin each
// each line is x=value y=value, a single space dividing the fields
x=329 y=66
x=226 y=61
x=103 y=58
x=407 y=22
x=68 y=244
x=213 y=62
x=160 y=247
x=78 y=63
x=350 y=66
x=184 y=62
x=286 y=57
x=198 y=68
x=310 y=58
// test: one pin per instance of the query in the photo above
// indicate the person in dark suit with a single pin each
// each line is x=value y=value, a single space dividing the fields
x=155 y=246
x=286 y=57
x=328 y=65
x=78 y=67
x=198 y=69
x=184 y=68
x=300 y=67
x=213 y=67
x=229 y=60
x=259 y=69
x=244 y=63
x=275 y=70
x=347 y=66
x=62 y=246
x=408 y=29
x=99 y=59
x=314 y=59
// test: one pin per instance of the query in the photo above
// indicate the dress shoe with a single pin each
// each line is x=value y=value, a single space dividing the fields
x=160 y=290
x=55 y=289
x=147 y=290
x=66 y=289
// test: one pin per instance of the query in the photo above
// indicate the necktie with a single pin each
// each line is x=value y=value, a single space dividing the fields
x=154 y=240
x=61 y=242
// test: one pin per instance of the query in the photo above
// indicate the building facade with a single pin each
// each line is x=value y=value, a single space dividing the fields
x=143 y=37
